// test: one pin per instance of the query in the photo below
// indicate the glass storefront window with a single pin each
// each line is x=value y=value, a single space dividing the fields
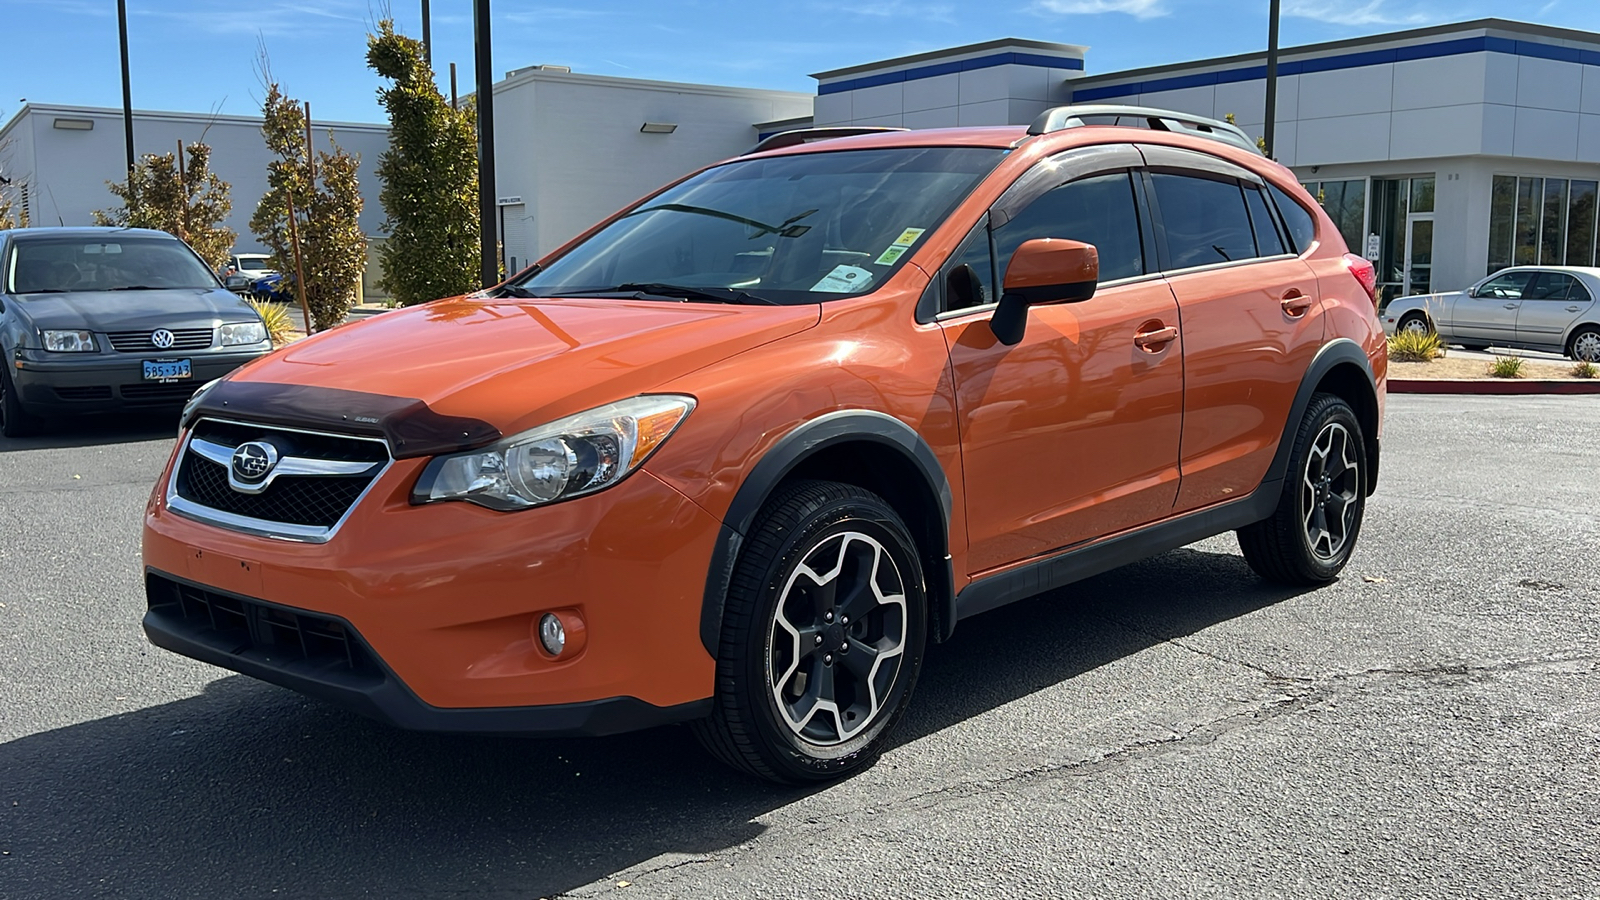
x=1422 y=195
x=1542 y=221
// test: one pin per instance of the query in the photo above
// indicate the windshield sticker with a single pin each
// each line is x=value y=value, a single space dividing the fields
x=900 y=246
x=844 y=280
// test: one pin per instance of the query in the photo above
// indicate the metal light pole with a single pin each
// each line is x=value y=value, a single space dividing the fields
x=489 y=258
x=427 y=36
x=1267 y=132
x=127 y=93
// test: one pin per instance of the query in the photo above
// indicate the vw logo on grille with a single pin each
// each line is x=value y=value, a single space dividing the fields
x=253 y=460
x=162 y=338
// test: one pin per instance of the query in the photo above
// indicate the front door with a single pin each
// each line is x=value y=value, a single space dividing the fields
x=1419 y=255
x=1487 y=314
x=1073 y=433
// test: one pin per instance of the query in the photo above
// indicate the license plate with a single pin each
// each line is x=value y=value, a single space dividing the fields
x=166 y=369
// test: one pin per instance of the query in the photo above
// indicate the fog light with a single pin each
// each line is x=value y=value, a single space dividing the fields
x=552 y=635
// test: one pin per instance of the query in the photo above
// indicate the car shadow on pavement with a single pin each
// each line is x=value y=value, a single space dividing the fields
x=248 y=790
x=90 y=431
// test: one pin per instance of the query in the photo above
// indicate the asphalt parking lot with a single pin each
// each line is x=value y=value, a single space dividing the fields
x=1427 y=726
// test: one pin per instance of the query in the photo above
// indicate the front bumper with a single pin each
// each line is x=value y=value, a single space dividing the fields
x=445 y=597
x=56 y=384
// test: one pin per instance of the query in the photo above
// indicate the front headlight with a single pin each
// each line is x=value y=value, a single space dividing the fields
x=567 y=458
x=69 y=341
x=243 y=333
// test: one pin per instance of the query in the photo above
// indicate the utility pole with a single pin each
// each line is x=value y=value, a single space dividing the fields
x=427 y=36
x=454 y=104
x=127 y=92
x=1267 y=131
x=488 y=256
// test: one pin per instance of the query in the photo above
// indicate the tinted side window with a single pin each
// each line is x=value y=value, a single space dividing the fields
x=1205 y=220
x=1099 y=210
x=1507 y=287
x=1268 y=241
x=1549 y=286
x=975 y=254
x=1302 y=227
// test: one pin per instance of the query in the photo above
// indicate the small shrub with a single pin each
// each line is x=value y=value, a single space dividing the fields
x=1585 y=369
x=276 y=316
x=1410 y=346
x=1506 y=367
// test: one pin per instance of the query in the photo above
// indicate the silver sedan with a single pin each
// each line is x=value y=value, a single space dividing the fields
x=1530 y=307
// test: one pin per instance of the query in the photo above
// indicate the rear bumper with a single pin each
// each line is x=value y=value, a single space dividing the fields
x=293 y=648
x=107 y=384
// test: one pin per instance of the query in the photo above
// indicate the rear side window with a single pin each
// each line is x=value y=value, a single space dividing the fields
x=1205 y=220
x=1302 y=227
x=1268 y=241
x=1098 y=210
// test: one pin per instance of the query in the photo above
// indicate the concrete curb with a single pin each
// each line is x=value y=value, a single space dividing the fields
x=1495 y=386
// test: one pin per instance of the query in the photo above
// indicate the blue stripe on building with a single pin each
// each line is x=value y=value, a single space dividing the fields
x=948 y=68
x=1484 y=44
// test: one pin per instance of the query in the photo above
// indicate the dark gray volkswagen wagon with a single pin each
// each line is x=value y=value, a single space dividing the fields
x=104 y=319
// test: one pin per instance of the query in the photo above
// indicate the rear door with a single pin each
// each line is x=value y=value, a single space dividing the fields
x=1488 y=315
x=1251 y=319
x=1552 y=303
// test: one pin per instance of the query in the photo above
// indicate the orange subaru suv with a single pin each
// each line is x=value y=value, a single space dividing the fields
x=736 y=455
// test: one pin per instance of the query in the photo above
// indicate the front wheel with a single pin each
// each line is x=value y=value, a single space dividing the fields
x=1309 y=537
x=822 y=639
x=15 y=422
x=1414 y=323
x=1585 y=345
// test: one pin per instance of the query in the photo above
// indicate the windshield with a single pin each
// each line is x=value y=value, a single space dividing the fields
x=253 y=263
x=58 y=265
x=788 y=229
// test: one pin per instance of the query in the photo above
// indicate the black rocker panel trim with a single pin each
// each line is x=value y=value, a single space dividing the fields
x=410 y=426
x=1085 y=561
x=383 y=696
x=832 y=429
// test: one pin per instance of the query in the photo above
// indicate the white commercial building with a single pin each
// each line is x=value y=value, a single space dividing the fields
x=1443 y=153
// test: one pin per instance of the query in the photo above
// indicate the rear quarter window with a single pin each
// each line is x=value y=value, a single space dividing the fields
x=1302 y=226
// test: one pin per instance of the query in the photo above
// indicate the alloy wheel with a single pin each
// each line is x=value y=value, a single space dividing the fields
x=1586 y=347
x=1330 y=491
x=837 y=639
x=1415 y=325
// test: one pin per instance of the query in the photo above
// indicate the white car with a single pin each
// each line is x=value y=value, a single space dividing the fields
x=247 y=268
x=1530 y=307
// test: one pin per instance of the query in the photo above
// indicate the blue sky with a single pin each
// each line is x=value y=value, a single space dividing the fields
x=198 y=55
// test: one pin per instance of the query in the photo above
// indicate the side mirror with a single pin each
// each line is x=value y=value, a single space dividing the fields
x=1043 y=270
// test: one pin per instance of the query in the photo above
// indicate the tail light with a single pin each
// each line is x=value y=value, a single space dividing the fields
x=1365 y=273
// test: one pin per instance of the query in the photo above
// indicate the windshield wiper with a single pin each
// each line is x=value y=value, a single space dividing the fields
x=521 y=293
x=136 y=287
x=644 y=289
x=786 y=228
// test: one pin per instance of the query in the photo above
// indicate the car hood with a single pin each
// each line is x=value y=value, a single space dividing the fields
x=105 y=311
x=515 y=364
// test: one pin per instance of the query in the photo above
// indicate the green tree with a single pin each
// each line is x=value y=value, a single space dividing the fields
x=429 y=175
x=191 y=204
x=7 y=220
x=327 y=210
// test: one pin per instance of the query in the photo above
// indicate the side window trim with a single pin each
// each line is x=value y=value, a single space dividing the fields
x=1054 y=171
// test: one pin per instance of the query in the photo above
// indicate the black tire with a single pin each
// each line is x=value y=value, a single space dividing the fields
x=1474 y=346
x=1584 y=346
x=1308 y=539
x=1412 y=318
x=840 y=527
x=15 y=422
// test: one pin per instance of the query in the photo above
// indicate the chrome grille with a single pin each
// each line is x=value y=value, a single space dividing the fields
x=317 y=480
x=139 y=341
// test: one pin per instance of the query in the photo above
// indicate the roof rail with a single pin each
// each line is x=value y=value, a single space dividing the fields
x=1062 y=117
x=810 y=135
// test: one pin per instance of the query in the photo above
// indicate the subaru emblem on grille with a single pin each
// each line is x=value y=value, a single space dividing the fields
x=253 y=460
x=162 y=338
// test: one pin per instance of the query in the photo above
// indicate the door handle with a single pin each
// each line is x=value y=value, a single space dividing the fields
x=1574 y=308
x=1512 y=305
x=1156 y=339
x=1295 y=304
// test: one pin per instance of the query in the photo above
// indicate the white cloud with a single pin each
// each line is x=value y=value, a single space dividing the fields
x=1139 y=9
x=1374 y=12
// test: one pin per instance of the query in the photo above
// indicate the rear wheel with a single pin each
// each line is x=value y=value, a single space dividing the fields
x=1310 y=536
x=1414 y=322
x=14 y=420
x=1585 y=344
x=822 y=639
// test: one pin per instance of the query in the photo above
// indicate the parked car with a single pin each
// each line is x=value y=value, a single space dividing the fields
x=1531 y=307
x=101 y=319
x=736 y=455
x=248 y=268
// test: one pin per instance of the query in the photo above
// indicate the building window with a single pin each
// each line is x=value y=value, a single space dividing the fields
x=1346 y=204
x=1541 y=222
